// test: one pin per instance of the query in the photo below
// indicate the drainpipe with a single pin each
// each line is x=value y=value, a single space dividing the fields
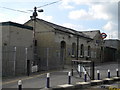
x=77 y=47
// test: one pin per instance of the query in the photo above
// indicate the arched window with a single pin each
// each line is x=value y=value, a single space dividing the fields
x=89 y=51
x=82 y=50
x=74 y=49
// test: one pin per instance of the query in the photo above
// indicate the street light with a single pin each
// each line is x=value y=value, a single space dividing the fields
x=35 y=13
x=33 y=17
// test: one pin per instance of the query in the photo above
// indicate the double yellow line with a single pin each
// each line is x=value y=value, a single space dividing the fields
x=25 y=78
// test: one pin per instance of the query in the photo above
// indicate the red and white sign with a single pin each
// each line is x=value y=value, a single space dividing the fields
x=103 y=35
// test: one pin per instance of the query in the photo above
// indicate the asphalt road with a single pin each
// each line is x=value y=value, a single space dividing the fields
x=38 y=81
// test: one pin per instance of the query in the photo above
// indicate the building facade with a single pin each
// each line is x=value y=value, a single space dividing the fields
x=16 y=46
x=58 y=45
x=46 y=45
x=112 y=49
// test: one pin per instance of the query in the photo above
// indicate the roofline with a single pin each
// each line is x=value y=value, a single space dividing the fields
x=76 y=32
x=16 y=24
x=91 y=31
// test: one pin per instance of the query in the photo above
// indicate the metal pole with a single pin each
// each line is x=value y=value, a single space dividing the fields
x=34 y=27
x=77 y=47
x=26 y=58
x=47 y=58
x=92 y=70
x=28 y=67
x=14 y=59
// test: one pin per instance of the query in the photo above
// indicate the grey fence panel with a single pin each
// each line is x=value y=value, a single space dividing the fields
x=49 y=58
x=14 y=60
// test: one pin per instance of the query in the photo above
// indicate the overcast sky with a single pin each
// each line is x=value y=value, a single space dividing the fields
x=80 y=15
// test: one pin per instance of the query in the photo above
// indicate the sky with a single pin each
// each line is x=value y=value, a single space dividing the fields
x=80 y=15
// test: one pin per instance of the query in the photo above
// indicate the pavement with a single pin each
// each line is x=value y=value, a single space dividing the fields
x=37 y=81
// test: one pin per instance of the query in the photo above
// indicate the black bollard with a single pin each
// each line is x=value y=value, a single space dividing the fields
x=48 y=80
x=117 y=72
x=108 y=73
x=19 y=85
x=69 y=77
x=85 y=76
x=98 y=74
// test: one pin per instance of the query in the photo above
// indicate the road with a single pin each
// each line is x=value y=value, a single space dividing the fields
x=60 y=77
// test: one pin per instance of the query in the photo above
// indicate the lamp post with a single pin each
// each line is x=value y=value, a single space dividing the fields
x=33 y=17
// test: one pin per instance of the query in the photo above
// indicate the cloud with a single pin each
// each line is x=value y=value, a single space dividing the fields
x=79 y=14
x=73 y=26
x=112 y=35
x=1 y=17
x=22 y=18
x=49 y=1
x=46 y=17
x=111 y=29
x=104 y=11
x=65 y=4
x=87 y=2
x=110 y=26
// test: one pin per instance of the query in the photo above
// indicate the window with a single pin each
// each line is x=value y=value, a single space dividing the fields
x=35 y=43
x=89 y=51
x=74 y=49
x=82 y=50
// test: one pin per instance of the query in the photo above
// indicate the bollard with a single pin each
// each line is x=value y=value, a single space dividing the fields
x=85 y=76
x=98 y=74
x=117 y=72
x=108 y=73
x=48 y=80
x=69 y=77
x=19 y=85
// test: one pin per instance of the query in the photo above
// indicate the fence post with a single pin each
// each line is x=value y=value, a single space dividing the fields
x=72 y=72
x=28 y=67
x=26 y=58
x=85 y=76
x=98 y=74
x=14 y=60
x=117 y=72
x=92 y=70
x=72 y=68
x=19 y=85
x=69 y=77
x=108 y=73
x=48 y=80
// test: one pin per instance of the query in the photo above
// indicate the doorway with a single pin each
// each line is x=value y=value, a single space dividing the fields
x=63 y=53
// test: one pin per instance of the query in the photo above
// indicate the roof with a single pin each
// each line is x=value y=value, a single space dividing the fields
x=64 y=29
x=91 y=34
x=16 y=24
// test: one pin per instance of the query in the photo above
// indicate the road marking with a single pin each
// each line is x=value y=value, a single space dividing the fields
x=25 y=78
